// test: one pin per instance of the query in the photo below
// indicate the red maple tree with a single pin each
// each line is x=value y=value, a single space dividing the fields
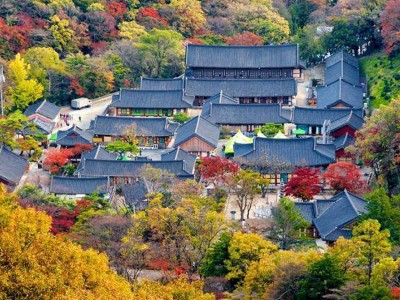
x=344 y=175
x=390 y=20
x=245 y=39
x=78 y=149
x=56 y=159
x=304 y=184
x=217 y=170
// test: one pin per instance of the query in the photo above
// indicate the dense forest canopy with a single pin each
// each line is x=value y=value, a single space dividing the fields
x=92 y=47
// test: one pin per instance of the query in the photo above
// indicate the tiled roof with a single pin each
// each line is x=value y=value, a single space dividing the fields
x=42 y=125
x=161 y=84
x=311 y=210
x=130 y=98
x=135 y=195
x=353 y=120
x=189 y=160
x=198 y=127
x=44 y=108
x=341 y=56
x=145 y=126
x=343 y=141
x=220 y=98
x=345 y=210
x=316 y=116
x=241 y=87
x=286 y=153
x=343 y=70
x=245 y=114
x=128 y=168
x=73 y=136
x=99 y=153
x=340 y=91
x=12 y=166
x=78 y=185
x=276 y=56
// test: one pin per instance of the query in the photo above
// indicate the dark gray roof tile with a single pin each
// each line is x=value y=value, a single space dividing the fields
x=44 y=108
x=286 y=153
x=346 y=209
x=128 y=168
x=135 y=195
x=198 y=127
x=162 y=84
x=245 y=114
x=145 y=126
x=316 y=116
x=129 y=98
x=241 y=87
x=189 y=160
x=342 y=56
x=343 y=141
x=12 y=166
x=73 y=136
x=220 y=98
x=342 y=70
x=274 y=56
x=78 y=185
x=340 y=91
x=353 y=120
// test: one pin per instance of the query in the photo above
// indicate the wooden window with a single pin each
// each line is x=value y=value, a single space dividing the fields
x=219 y=73
x=230 y=73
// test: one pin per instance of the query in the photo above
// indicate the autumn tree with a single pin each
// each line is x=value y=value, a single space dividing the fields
x=22 y=90
x=245 y=39
x=45 y=66
x=342 y=176
x=217 y=170
x=276 y=274
x=187 y=231
x=390 y=19
x=246 y=184
x=244 y=249
x=36 y=263
x=304 y=184
x=179 y=288
x=157 y=180
x=377 y=144
x=289 y=225
x=188 y=17
x=55 y=159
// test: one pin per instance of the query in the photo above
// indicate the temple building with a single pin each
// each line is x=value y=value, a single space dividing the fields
x=253 y=74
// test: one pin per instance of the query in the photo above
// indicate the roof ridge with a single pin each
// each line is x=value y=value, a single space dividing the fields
x=351 y=202
x=41 y=104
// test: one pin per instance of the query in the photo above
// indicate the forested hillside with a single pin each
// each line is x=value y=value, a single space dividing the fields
x=93 y=47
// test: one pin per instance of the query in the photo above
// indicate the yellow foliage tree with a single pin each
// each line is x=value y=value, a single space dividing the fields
x=277 y=271
x=131 y=30
x=22 y=90
x=189 y=17
x=37 y=265
x=179 y=289
x=244 y=249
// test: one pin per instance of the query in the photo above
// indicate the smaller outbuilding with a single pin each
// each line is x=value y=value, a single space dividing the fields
x=333 y=218
x=12 y=168
x=44 y=115
x=198 y=136
x=135 y=195
x=78 y=187
x=73 y=136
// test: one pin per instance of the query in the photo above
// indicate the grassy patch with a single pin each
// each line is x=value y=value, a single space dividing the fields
x=383 y=77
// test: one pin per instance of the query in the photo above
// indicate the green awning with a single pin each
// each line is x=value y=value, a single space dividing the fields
x=239 y=137
x=299 y=131
x=53 y=137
